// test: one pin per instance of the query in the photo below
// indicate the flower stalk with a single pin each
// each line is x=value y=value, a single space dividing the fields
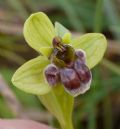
x=67 y=125
x=60 y=105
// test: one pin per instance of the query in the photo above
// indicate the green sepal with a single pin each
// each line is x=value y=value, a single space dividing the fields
x=94 y=44
x=60 y=29
x=39 y=31
x=30 y=76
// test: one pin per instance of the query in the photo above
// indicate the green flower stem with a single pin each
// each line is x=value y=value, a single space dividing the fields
x=67 y=125
x=60 y=104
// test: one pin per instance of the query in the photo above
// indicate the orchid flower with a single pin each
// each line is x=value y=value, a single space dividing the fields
x=62 y=70
x=64 y=60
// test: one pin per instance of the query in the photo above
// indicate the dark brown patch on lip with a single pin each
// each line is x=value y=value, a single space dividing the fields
x=69 y=78
x=82 y=71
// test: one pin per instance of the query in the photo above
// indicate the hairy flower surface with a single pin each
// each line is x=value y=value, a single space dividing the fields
x=64 y=60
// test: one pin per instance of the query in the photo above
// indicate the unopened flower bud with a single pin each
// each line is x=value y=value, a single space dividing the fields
x=52 y=74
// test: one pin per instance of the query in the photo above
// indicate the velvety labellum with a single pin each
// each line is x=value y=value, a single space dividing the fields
x=81 y=55
x=82 y=71
x=52 y=74
x=69 y=68
x=70 y=80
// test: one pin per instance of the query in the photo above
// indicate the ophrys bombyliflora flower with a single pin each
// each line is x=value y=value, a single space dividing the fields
x=64 y=59
x=68 y=67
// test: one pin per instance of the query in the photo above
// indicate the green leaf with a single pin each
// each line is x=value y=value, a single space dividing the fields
x=39 y=31
x=94 y=44
x=60 y=29
x=30 y=77
x=60 y=104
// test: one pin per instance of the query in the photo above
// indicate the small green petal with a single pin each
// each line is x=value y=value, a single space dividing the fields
x=66 y=38
x=39 y=31
x=46 y=51
x=60 y=29
x=94 y=44
x=30 y=77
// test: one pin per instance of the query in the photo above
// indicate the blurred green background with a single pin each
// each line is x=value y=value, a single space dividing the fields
x=100 y=106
